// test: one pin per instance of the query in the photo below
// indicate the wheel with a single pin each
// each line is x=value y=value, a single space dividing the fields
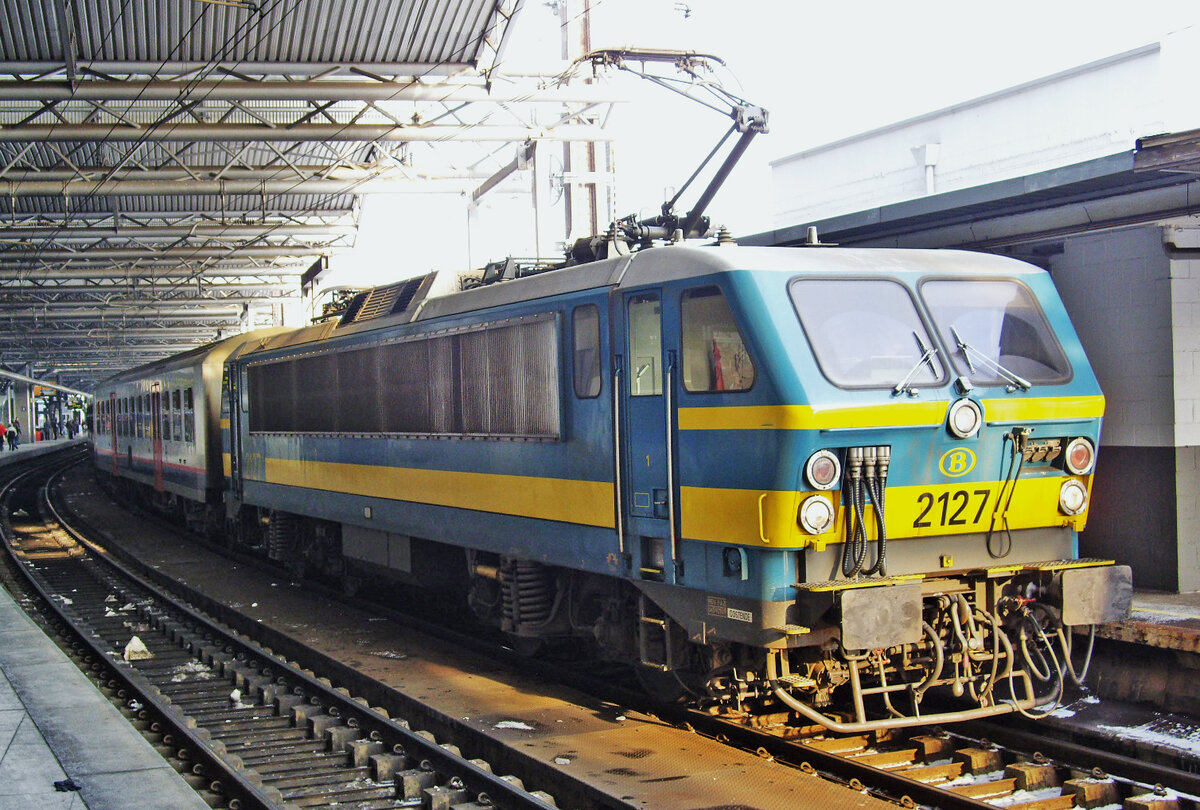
x=350 y=584
x=664 y=687
x=525 y=646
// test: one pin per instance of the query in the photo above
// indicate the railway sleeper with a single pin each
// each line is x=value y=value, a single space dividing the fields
x=320 y=798
x=323 y=775
x=1091 y=792
x=241 y=716
x=190 y=683
x=1151 y=801
x=271 y=750
x=317 y=724
x=411 y=782
x=986 y=790
x=443 y=797
x=1034 y=775
x=933 y=774
x=199 y=704
x=284 y=765
x=286 y=736
x=386 y=766
x=1051 y=803
x=979 y=760
x=247 y=728
x=889 y=760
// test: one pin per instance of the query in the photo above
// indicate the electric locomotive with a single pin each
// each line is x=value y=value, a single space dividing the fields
x=822 y=481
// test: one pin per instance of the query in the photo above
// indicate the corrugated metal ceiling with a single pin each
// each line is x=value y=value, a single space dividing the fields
x=204 y=169
x=429 y=32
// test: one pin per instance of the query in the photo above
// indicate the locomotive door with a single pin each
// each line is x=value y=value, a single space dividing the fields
x=646 y=398
x=156 y=432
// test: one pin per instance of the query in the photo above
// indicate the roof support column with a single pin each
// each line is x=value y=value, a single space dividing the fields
x=547 y=223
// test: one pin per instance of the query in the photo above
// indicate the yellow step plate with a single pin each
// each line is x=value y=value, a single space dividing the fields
x=1059 y=565
x=847 y=584
x=793 y=630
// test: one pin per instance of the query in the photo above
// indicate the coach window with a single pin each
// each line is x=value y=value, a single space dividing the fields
x=714 y=354
x=645 y=346
x=585 y=323
x=189 y=417
x=164 y=407
x=176 y=416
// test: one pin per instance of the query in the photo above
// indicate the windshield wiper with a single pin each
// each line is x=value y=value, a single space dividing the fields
x=927 y=353
x=1014 y=381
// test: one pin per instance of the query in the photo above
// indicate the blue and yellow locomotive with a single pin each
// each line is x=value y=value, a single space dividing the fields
x=820 y=481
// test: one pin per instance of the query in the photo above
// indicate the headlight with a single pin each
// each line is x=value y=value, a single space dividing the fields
x=965 y=418
x=1080 y=456
x=816 y=515
x=822 y=470
x=1072 y=497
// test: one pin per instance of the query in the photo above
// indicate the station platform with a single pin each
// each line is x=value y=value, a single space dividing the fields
x=62 y=744
x=32 y=449
x=1169 y=621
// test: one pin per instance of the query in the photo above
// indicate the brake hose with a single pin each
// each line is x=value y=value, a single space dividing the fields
x=876 y=496
x=855 y=549
x=1016 y=463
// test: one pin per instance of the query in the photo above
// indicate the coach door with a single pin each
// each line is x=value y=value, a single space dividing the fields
x=233 y=397
x=156 y=431
x=645 y=383
x=112 y=429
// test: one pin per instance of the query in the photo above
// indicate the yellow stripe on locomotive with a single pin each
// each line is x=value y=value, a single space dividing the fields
x=769 y=519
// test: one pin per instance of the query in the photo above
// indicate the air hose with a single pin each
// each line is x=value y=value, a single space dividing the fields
x=854 y=551
x=876 y=486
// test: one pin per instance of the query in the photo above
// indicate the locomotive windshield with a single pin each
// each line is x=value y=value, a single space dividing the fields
x=995 y=332
x=866 y=333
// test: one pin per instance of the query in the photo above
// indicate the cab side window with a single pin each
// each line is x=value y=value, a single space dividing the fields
x=585 y=324
x=714 y=354
x=645 y=346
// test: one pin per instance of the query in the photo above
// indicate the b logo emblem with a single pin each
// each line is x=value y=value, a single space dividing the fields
x=957 y=462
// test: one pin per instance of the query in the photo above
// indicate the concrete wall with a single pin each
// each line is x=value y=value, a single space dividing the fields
x=1133 y=301
x=1133 y=294
x=1137 y=310
x=1185 y=350
x=1088 y=112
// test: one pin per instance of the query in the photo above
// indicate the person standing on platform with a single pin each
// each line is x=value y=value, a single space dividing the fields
x=3 y=430
x=14 y=435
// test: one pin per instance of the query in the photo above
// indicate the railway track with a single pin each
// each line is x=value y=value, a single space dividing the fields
x=928 y=768
x=937 y=768
x=249 y=729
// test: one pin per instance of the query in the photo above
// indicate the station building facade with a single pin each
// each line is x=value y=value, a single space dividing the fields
x=1093 y=174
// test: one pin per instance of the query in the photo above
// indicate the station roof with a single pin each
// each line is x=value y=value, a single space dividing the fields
x=1158 y=179
x=169 y=167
